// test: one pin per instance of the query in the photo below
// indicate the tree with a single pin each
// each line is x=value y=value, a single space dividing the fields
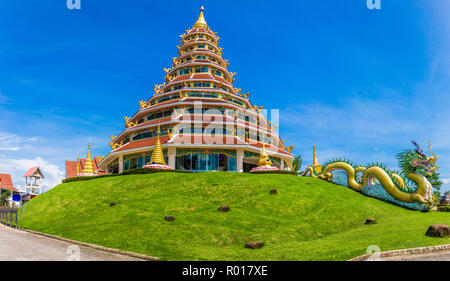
x=436 y=183
x=5 y=194
x=297 y=164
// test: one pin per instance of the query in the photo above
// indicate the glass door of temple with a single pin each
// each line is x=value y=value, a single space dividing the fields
x=223 y=162
x=248 y=166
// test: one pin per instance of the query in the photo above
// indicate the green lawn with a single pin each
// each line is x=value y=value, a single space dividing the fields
x=315 y=221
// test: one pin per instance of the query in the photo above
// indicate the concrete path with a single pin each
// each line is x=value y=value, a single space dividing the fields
x=436 y=256
x=16 y=245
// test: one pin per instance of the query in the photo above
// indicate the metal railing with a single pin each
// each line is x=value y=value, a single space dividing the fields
x=8 y=216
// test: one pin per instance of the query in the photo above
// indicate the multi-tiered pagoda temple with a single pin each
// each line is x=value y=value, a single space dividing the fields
x=197 y=117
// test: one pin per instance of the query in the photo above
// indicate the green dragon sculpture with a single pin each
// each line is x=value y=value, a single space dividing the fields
x=409 y=189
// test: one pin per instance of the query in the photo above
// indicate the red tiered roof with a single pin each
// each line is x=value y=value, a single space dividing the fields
x=142 y=143
x=6 y=182
x=271 y=147
x=31 y=171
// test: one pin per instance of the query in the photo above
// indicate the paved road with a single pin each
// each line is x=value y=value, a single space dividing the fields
x=16 y=245
x=437 y=256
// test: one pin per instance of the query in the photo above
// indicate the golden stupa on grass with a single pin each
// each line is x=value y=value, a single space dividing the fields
x=264 y=163
x=157 y=160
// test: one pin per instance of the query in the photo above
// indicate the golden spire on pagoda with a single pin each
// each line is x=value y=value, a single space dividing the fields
x=264 y=160
x=88 y=167
x=201 y=22
x=78 y=164
x=316 y=166
x=157 y=154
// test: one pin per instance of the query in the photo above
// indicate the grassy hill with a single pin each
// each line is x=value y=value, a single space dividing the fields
x=308 y=219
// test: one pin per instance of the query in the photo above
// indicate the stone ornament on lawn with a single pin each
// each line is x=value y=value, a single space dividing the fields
x=224 y=209
x=371 y=221
x=254 y=245
x=438 y=230
x=169 y=218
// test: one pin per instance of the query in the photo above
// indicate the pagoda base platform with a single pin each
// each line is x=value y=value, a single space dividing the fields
x=158 y=166
x=268 y=168
x=86 y=175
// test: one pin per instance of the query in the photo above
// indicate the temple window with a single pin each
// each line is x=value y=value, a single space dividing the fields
x=236 y=101
x=201 y=69
x=240 y=132
x=149 y=134
x=168 y=98
x=251 y=119
x=157 y=115
x=203 y=95
x=184 y=71
x=202 y=85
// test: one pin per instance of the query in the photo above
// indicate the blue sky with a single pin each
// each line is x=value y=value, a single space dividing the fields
x=358 y=83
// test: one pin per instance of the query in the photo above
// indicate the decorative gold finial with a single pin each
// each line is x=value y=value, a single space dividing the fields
x=316 y=166
x=264 y=160
x=201 y=22
x=157 y=154
x=78 y=163
x=88 y=167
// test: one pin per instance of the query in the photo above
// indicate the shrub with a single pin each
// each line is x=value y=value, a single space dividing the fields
x=138 y=171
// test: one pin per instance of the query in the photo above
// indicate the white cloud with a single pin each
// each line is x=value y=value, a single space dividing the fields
x=12 y=142
x=445 y=181
x=18 y=167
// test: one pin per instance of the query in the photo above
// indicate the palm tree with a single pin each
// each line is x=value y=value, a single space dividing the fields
x=297 y=164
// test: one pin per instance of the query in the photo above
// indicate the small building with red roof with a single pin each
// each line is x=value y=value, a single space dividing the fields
x=33 y=181
x=6 y=182
x=7 y=185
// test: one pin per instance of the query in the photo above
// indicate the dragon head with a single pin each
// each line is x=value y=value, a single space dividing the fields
x=415 y=160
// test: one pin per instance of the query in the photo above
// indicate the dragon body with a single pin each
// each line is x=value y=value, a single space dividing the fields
x=409 y=188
